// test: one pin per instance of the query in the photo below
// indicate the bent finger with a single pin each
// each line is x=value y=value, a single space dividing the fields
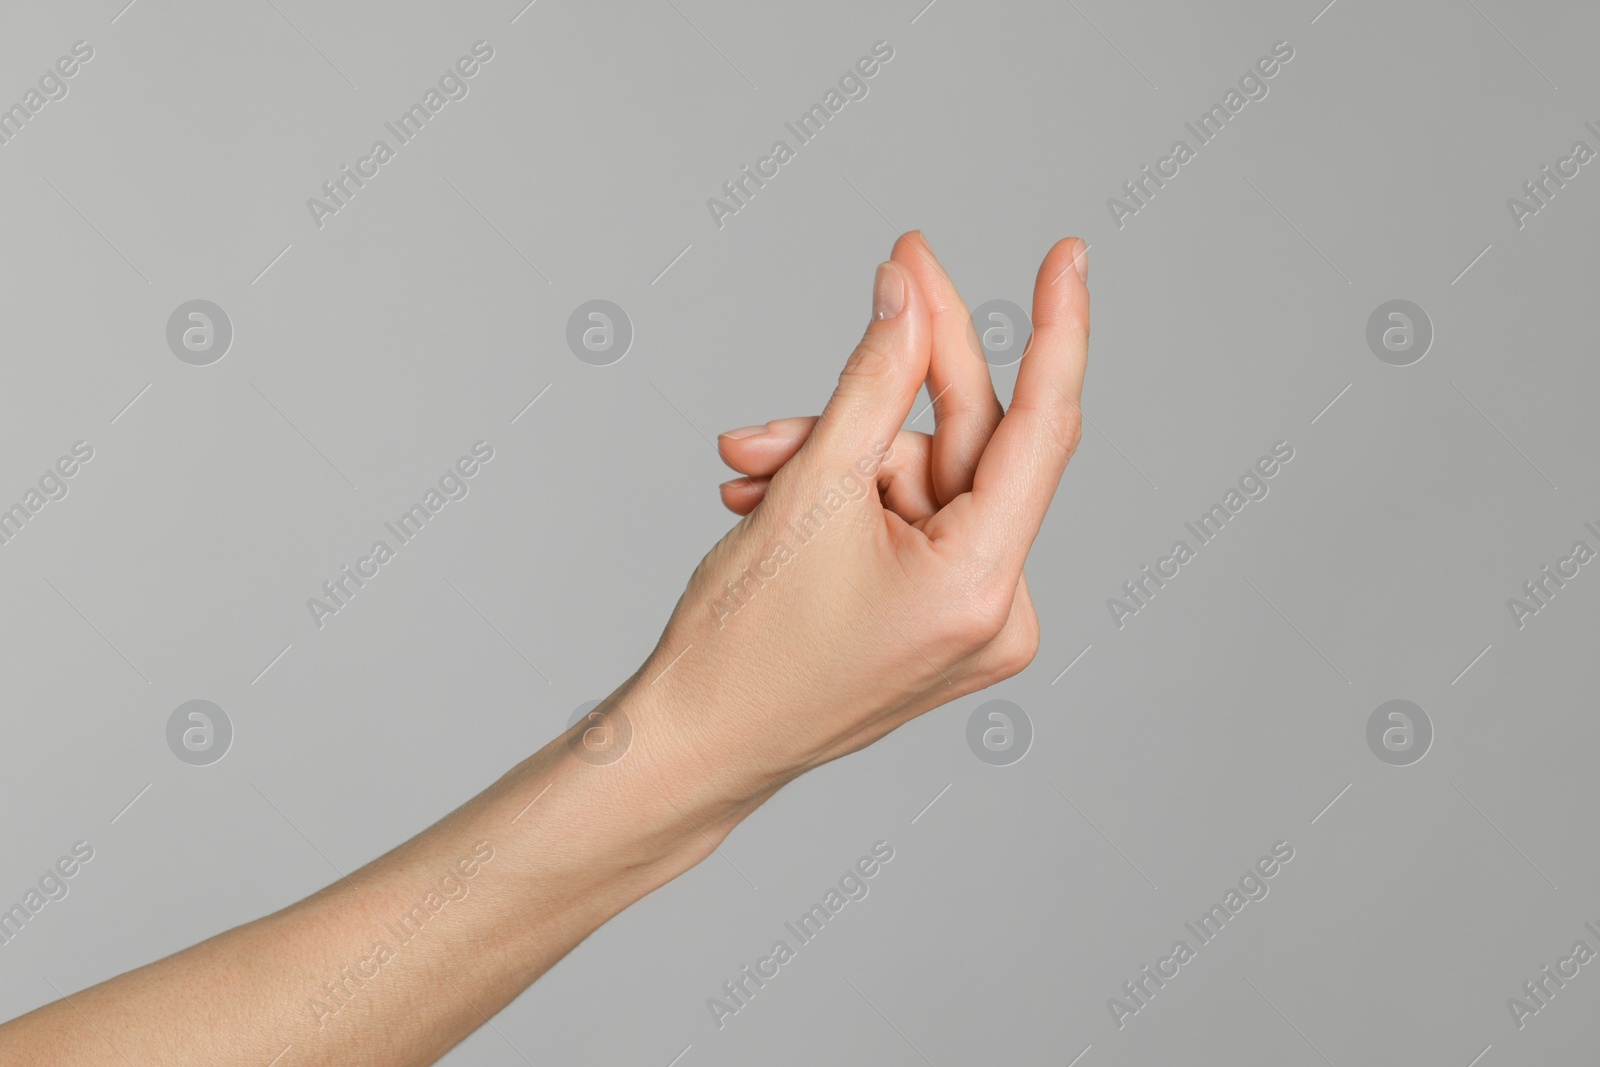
x=965 y=408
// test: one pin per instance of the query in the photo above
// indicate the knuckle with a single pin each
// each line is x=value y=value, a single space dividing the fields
x=1073 y=320
x=1012 y=650
x=985 y=612
x=1063 y=428
x=966 y=624
x=867 y=364
x=1058 y=425
x=1019 y=645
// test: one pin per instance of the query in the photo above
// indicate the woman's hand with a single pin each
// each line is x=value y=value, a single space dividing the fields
x=877 y=572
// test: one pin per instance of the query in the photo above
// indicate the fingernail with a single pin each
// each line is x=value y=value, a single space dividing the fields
x=1080 y=259
x=888 y=292
x=743 y=432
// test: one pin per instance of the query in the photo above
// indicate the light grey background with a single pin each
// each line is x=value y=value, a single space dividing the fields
x=1229 y=313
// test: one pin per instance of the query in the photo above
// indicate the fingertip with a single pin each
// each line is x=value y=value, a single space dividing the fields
x=761 y=454
x=790 y=431
x=742 y=432
x=1061 y=293
x=1080 y=260
x=914 y=252
x=913 y=243
x=1067 y=261
x=731 y=443
x=729 y=450
x=741 y=495
x=880 y=379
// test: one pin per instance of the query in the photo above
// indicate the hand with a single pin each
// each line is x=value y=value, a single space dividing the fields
x=877 y=572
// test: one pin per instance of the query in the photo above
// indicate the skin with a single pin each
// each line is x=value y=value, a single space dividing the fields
x=907 y=593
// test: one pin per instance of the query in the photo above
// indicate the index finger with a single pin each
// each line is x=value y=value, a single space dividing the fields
x=1019 y=470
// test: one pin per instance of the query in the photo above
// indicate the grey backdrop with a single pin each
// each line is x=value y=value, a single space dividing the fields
x=1168 y=754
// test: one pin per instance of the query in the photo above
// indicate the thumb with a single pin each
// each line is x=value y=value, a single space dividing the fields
x=879 y=382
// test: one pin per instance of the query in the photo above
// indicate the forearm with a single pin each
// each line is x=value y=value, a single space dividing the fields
x=401 y=960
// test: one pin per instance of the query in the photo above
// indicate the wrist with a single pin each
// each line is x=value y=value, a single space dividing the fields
x=617 y=806
x=676 y=754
